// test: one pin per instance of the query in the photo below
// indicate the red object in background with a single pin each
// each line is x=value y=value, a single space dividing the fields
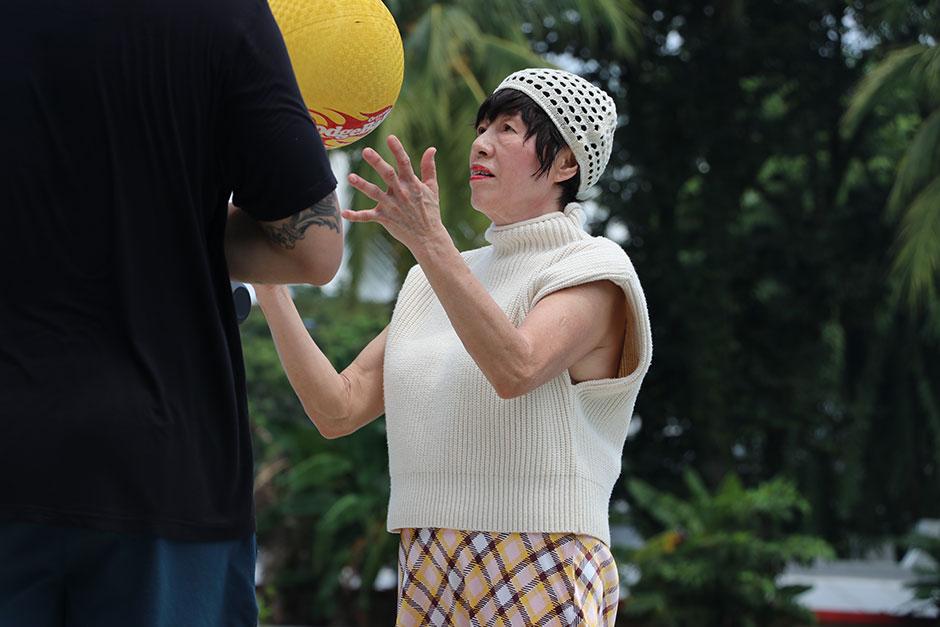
x=862 y=618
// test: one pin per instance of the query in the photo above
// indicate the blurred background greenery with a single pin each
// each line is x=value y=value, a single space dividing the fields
x=776 y=181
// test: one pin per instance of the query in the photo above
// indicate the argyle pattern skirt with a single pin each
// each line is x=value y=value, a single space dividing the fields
x=484 y=579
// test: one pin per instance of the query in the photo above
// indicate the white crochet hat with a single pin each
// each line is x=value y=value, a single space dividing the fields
x=584 y=114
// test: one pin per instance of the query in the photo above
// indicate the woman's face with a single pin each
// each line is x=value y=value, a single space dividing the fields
x=502 y=165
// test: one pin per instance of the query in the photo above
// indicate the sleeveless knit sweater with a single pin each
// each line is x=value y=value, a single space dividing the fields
x=461 y=457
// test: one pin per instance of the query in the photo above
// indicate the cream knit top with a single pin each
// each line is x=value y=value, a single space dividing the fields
x=460 y=457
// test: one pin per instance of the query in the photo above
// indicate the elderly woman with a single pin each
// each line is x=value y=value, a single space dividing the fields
x=507 y=375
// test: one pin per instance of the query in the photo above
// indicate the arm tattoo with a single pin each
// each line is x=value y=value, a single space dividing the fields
x=324 y=213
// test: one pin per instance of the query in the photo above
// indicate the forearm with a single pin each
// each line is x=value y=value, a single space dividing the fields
x=499 y=349
x=305 y=248
x=323 y=392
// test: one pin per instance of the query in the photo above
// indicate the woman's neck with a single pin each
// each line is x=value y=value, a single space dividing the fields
x=545 y=230
x=511 y=215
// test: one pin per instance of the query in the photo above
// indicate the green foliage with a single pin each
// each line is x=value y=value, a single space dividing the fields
x=892 y=74
x=716 y=557
x=927 y=585
x=918 y=258
x=915 y=197
x=321 y=504
x=759 y=231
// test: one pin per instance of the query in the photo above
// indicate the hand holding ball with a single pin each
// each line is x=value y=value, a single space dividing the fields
x=349 y=62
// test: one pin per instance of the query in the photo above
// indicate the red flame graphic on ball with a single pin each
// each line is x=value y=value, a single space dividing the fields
x=341 y=129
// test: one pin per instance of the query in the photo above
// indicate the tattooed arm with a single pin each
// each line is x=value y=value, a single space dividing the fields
x=307 y=247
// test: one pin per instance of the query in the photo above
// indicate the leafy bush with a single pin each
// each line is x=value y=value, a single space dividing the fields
x=717 y=556
x=321 y=504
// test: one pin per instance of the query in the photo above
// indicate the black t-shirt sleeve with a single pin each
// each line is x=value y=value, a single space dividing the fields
x=277 y=161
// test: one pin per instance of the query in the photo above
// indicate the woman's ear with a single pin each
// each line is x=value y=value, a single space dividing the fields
x=565 y=167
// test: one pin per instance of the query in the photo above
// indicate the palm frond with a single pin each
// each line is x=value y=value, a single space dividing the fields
x=505 y=19
x=621 y=18
x=928 y=68
x=920 y=164
x=501 y=57
x=588 y=20
x=895 y=69
x=917 y=262
x=443 y=34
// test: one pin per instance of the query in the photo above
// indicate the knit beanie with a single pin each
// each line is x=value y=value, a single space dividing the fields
x=584 y=114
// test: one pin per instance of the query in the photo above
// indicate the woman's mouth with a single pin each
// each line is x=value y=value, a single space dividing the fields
x=478 y=173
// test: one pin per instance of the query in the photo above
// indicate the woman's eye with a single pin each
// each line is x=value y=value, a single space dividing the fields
x=481 y=130
x=507 y=127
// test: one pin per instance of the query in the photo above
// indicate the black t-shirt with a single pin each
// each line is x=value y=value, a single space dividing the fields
x=124 y=127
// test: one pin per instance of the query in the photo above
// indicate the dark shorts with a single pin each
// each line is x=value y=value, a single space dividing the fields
x=71 y=577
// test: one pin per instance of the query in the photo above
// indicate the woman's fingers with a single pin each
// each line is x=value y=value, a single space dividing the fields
x=429 y=168
x=378 y=164
x=368 y=215
x=405 y=170
x=369 y=189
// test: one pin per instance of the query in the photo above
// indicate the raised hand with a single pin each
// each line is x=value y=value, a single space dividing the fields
x=410 y=206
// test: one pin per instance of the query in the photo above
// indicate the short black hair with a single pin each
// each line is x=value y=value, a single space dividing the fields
x=548 y=140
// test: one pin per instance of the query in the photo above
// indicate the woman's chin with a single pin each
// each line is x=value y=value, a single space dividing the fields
x=480 y=205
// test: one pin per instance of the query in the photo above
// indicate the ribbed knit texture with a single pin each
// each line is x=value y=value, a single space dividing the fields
x=460 y=457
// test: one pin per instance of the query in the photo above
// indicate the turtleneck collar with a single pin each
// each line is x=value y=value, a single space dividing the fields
x=546 y=231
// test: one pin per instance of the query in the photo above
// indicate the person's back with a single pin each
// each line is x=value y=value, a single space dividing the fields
x=126 y=126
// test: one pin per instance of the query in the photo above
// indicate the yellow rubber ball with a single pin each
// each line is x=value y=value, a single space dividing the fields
x=348 y=60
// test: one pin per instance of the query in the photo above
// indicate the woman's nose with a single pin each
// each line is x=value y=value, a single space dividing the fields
x=481 y=145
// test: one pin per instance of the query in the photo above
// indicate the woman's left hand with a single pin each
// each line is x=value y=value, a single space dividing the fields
x=410 y=207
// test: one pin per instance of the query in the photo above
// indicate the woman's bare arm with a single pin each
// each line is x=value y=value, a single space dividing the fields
x=337 y=403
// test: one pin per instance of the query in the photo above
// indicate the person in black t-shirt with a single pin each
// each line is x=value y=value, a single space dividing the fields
x=125 y=455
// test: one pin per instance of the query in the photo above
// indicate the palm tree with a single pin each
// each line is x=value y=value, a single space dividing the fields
x=456 y=52
x=915 y=197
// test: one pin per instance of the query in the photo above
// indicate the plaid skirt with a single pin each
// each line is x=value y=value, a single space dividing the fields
x=484 y=579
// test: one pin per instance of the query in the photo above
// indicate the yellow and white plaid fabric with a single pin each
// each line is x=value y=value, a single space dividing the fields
x=484 y=579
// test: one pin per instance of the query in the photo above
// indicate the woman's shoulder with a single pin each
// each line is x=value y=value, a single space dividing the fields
x=593 y=254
